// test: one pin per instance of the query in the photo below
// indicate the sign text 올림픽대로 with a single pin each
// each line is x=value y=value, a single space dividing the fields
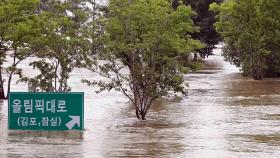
x=46 y=111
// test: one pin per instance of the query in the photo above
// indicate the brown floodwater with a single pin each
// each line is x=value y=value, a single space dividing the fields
x=223 y=115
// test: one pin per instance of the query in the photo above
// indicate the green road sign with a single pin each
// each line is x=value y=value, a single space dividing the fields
x=46 y=111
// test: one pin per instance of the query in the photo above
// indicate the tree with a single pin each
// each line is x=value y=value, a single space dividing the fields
x=250 y=29
x=145 y=40
x=17 y=28
x=95 y=27
x=205 y=20
x=64 y=44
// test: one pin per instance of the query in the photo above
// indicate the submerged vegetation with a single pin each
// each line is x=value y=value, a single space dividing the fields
x=145 y=44
x=251 y=33
x=148 y=38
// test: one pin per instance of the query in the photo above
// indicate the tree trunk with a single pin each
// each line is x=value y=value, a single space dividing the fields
x=143 y=115
x=2 y=93
x=195 y=57
x=258 y=70
x=257 y=77
x=137 y=114
x=9 y=85
x=140 y=113
x=55 y=76
x=257 y=74
x=11 y=74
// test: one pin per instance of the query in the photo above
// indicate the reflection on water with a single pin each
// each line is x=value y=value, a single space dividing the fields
x=38 y=143
x=33 y=137
x=224 y=115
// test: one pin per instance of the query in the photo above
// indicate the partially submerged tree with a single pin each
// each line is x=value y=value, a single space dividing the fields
x=251 y=32
x=204 y=19
x=145 y=40
x=98 y=11
x=18 y=27
x=64 y=45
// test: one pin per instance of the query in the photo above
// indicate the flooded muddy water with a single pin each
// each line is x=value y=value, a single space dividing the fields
x=223 y=115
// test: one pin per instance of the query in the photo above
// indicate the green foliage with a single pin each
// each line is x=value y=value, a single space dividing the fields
x=250 y=29
x=17 y=28
x=63 y=45
x=205 y=20
x=145 y=40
